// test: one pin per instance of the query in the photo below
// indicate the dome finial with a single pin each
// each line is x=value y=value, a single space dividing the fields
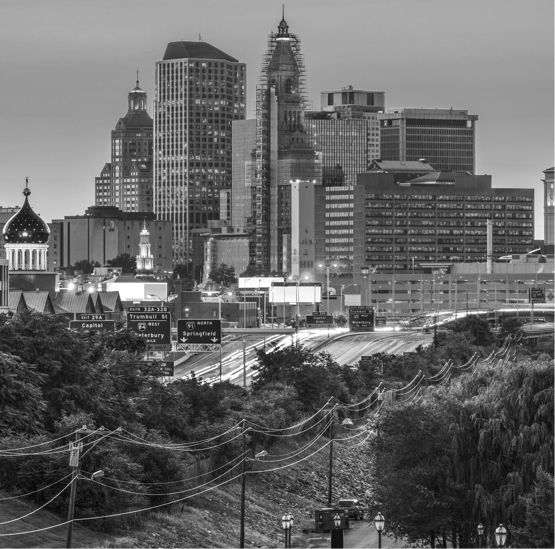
x=283 y=28
x=26 y=190
x=137 y=78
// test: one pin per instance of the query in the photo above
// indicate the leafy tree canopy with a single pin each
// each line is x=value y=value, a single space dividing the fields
x=87 y=267
x=477 y=326
x=253 y=270
x=126 y=261
x=224 y=275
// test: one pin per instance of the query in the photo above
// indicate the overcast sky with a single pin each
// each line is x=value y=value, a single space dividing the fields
x=67 y=66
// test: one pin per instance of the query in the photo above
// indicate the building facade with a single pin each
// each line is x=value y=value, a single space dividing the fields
x=439 y=218
x=284 y=152
x=200 y=91
x=126 y=182
x=446 y=138
x=549 y=207
x=103 y=233
x=346 y=133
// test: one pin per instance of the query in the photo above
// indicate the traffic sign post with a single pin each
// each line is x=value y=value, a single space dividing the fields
x=89 y=316
x=361 y=319
x=153 y=327
x=537 y=295
x=199 y=331
x=319 y=319
x=92 y=325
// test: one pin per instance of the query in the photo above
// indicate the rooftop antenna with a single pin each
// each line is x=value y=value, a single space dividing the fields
x=199 y=38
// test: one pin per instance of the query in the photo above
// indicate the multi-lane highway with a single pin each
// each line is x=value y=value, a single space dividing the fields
x=239 y=352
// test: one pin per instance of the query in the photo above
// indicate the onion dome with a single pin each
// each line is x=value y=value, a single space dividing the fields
x=26 y=227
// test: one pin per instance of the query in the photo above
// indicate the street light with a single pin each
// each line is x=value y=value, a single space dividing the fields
x=379 y=523
x=287 y=524
x=365 y=271
x=327 y=267
x=500 y=536
x=480 y=534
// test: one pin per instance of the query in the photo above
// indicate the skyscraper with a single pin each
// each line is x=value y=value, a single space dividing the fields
x=283 y=149
x=346 y=132
x=446 y=138
x=199 y=91
x=126 y=182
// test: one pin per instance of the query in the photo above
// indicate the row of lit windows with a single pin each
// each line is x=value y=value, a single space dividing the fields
x=342 y=222
x=339 y=214
x=448 y=198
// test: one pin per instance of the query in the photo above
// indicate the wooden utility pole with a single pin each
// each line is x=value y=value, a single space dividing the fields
x=330 y=466
x=74 y=451
x=243 y=487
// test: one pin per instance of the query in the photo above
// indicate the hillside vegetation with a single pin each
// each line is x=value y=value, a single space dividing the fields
x=172 y=455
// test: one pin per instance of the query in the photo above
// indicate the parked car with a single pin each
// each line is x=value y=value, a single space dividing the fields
x=354 y=508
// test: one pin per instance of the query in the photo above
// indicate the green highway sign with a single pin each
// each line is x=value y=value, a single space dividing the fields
x=199 y=331
x=319 y=319
x=361 y=318
x=92 y=325
x=153 y=327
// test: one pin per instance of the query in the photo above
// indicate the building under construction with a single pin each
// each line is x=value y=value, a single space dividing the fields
x=283 y=150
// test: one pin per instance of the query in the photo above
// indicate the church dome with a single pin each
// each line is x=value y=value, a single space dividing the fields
x=26 y=227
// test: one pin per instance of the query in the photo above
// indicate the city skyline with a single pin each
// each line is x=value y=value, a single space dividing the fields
x=69 y=66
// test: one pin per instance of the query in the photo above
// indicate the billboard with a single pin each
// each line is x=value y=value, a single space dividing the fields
x=290 y=293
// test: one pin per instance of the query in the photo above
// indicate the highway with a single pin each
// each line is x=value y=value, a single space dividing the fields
x=239 y=352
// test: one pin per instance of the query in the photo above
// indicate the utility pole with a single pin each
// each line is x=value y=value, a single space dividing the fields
x=243 y=487
x=330 y=466
x=74 y=451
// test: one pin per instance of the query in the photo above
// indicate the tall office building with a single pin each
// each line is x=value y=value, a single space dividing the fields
x=346 y=133
x=199 y=91
x=126 y=182
x=283 y=150
x=446 y=138
x=549 y=207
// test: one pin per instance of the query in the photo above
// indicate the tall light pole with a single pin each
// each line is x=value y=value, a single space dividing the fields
x=365 y=272
x=327 y=267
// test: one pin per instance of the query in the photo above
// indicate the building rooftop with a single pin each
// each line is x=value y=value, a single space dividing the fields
x=195 y=50
x=401 y=166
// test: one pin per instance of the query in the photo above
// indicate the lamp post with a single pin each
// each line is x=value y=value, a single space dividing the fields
x=286 y=524
x=480 y=534
x=379 y=523
x=337 y=532
x=500 y=536
x=327 y=267
x=365 y=271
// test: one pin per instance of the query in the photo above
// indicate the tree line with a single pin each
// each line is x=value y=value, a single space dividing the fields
x=480 y=450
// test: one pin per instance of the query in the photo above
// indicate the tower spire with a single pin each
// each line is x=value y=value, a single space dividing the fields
x=137 y=78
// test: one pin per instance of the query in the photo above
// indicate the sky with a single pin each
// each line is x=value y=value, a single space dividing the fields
x=67 y=66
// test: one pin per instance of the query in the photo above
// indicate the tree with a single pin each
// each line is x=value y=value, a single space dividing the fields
x=511 y=327
x=253 y=270
x=477 y=326
x=21 y=404
x=126 y=261
x=538 y=528
x=86 y=266
x=410 y=479
x=224 y=275
x=315 y=376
